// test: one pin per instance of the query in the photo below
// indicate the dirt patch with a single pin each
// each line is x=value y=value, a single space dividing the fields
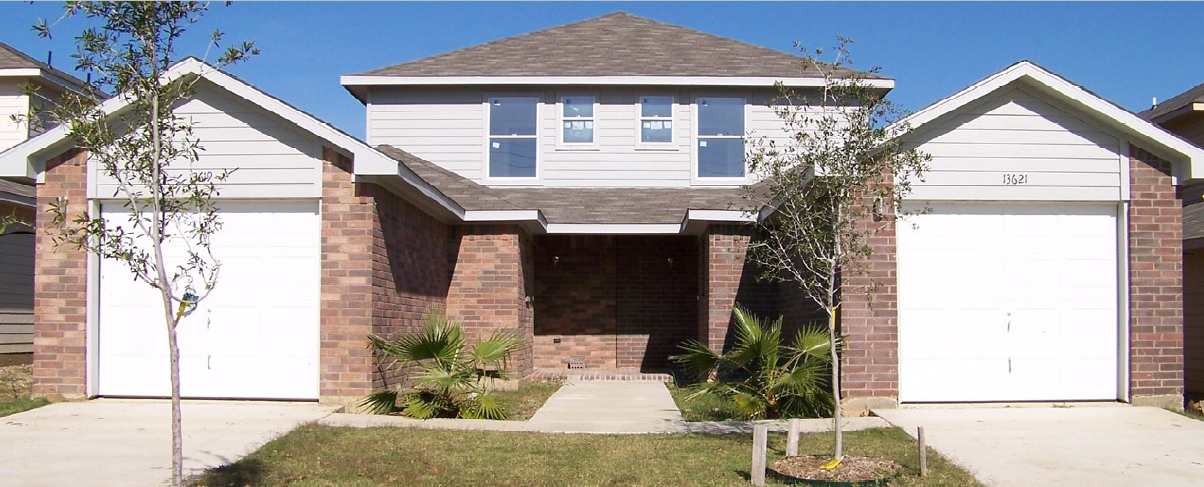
x=851 y=469
x=15 y=381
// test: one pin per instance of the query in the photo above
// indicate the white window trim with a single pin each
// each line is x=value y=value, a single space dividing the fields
x=488 y=178
x=560 y=119
x=671 y=145
x=695 y=179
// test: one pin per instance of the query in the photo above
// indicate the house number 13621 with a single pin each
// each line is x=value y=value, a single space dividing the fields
x=1015 y=179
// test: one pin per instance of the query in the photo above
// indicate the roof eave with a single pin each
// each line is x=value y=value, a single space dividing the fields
x=357 y=84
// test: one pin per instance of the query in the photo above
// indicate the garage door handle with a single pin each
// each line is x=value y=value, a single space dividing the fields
x=1009 y=365
x=209 y=363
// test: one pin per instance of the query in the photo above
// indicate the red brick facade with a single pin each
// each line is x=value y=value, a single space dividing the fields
x=492 y=286
x=60 y=286
x=619 y=302
x=721 y=251
x=869 y=321
x=1155 y=283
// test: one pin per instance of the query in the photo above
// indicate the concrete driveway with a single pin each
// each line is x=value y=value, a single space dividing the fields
x=128 y=443
x=1111 y=445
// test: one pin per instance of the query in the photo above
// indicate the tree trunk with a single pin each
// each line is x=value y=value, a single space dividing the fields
x=835 y=384
x=177 y=424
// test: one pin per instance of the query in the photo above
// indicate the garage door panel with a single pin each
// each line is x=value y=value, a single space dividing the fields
x=231 y=343
x=1048 y=272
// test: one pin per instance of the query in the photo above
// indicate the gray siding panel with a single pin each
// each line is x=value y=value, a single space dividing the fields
x=16 y=293
x=269 y=158
x=1016 y=146
x=447 y=126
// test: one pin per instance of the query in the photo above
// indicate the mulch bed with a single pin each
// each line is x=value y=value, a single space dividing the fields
x=851 y=469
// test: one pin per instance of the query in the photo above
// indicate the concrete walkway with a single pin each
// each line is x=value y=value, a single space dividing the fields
x=602 y=407
x=128 y=442
x=1112 y=445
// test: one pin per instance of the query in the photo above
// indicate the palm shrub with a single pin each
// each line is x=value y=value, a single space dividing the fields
x=764 y=377
x=447 y=378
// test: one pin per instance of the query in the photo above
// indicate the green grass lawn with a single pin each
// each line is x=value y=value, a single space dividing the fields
x=15 y=381
x=316 y=455
x=521 y=404
x=14 y=406
x=703 y=408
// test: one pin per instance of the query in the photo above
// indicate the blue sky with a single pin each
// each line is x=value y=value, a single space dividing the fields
x=1125 y=52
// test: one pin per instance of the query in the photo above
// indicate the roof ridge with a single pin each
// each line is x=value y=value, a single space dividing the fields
x=495 y=41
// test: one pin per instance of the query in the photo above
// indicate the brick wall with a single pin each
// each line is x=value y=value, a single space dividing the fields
x=410 y=272
x=721 y=262
x=347 y=272
x=60 y=303
x=491 y=282
x=575 y=301
x=1155 y=283
x=869 y=321
x=384 y=268
x=619 y=302
x=1193 y=323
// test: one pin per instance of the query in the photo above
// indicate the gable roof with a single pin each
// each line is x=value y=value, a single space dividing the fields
x=1176 y=105
x=617 y=48
x=1186 y=158
x=17 y=63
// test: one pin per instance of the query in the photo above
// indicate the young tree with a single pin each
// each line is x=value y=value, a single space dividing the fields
x=149 y=153
x=833 y=182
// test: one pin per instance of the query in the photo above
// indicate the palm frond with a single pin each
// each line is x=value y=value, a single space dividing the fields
x=497 y=348
x=698 y=360
x=484 y=407
x=382 y=402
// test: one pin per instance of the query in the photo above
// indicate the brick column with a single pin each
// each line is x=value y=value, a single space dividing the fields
x=348 y=224
x=1155 y=284
x=722 y=250
x=60 y=286
x=869 y=321
x=491 y=287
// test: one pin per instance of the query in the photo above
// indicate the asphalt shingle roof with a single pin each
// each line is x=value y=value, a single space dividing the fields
x=573 y=205
x=11 y=58
x=17 y=189
x=1194 y=95
x=617 y=44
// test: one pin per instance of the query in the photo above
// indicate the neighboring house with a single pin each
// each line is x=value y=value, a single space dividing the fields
x=17 y=199
x=1184 y=115
x=580 y=186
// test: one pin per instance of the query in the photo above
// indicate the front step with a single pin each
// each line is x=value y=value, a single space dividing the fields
x=599 y=374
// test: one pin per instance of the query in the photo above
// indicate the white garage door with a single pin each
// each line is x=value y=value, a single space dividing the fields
x=255 y=336
x=1008 y=302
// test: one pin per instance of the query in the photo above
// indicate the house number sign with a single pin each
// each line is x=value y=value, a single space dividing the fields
x=1015 y=179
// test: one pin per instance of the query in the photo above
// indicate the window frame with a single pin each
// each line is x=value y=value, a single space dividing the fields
x=695 y=138
x=487 y=119
x=560 y=119
x=640 y=119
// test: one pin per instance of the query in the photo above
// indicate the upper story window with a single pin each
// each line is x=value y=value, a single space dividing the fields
x=512 y=141
x=720 y=137
x=577 y=120
x=656 y=119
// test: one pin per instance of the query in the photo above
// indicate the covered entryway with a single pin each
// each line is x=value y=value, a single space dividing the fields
x=255 y=336
x=614 y=302
x=1008 y=302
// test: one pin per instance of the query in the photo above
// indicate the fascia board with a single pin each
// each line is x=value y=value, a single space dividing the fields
x=763 y=81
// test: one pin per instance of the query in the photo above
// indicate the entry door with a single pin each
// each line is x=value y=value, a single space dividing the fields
x=1008 y=302
x=255 y=336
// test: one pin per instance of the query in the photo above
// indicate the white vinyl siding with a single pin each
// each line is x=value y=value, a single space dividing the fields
x=12 y=102
x=1014 y=146
x=448 y=126
x=270 y=158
